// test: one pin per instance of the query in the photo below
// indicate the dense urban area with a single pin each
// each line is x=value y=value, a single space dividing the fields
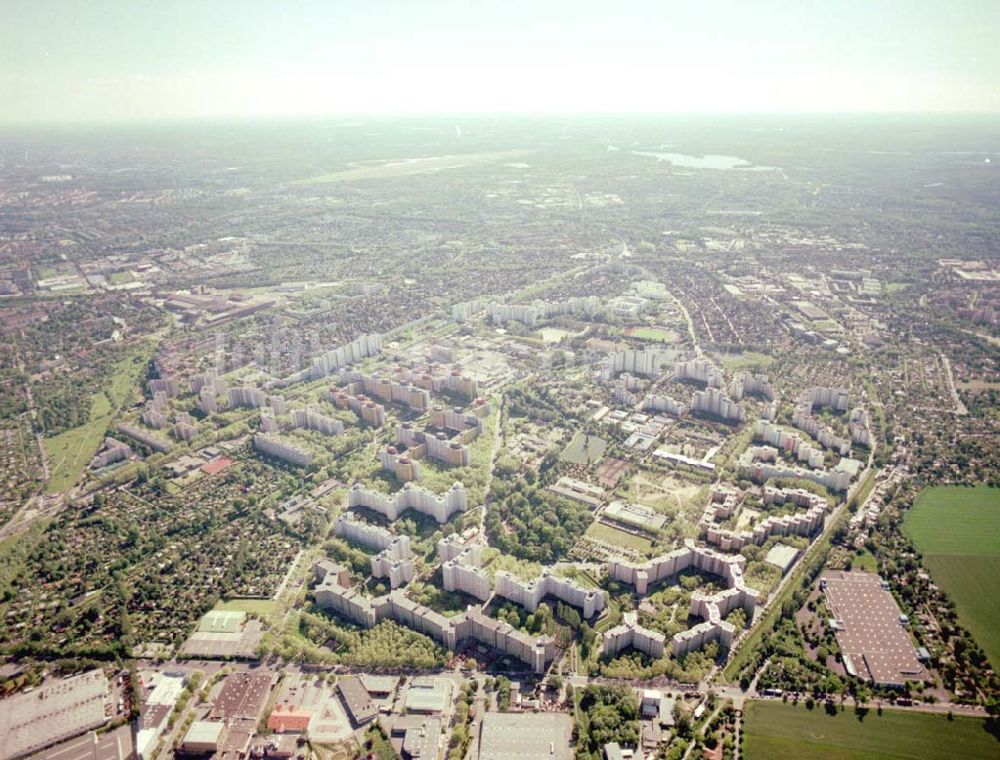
x=506 y=438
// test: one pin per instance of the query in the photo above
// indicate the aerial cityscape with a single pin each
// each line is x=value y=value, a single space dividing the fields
x=501 y=437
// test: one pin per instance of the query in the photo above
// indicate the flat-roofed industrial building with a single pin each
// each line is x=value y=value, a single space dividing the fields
x=525 y=736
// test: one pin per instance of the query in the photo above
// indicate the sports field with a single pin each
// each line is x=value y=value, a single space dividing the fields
x=611 y=535
x=221 y=621
x=958 y=531
x=656 y=334
x=257 y=606
x=779 y=731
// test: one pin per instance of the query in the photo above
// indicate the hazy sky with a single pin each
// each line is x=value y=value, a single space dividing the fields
x=128 y=59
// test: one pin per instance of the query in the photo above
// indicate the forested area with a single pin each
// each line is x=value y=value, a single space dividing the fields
x=531 y=523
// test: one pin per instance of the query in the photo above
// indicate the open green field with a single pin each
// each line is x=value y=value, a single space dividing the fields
x=256 y=606
x=584 y=449
x=745 y=360
x=69 y=452
x=651 y=333
x=958 y=531
x=405 y=167
x=779 y=731
x=610 y=535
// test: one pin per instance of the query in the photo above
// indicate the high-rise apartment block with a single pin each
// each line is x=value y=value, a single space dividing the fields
x=411 y=496
x=274 y=447
x=310 y=419
x=351 y=353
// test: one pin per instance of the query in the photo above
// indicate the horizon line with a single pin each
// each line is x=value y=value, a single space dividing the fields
x=34 y=124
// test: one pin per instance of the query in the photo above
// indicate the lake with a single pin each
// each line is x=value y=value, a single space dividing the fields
x=708 y=161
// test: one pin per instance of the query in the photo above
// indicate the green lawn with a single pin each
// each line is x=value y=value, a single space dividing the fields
x=865 y=561
x=779 y=731
x=70 y=452
x=651 y=333
x=601 y=532
x=971 y=515
x=260 y=607
x=958 y=531
x=746 y=360
x=99 y=406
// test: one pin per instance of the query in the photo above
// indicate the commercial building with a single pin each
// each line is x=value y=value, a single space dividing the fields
x=427 y=695
x=244 y=696
x=204 y=737
x=423 y=740
x=57 y=710
x=634 y=516
x=360 y=707
x=870 y=629
x=525 y=736
x=589 y=495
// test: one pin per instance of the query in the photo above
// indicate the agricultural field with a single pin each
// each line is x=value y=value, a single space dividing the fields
x=964 y=559
x=780 y=731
